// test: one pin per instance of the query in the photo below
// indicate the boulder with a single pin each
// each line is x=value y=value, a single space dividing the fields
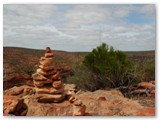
x=114 y=105
x=9 y=104
x=47 y=108
x=13 y=106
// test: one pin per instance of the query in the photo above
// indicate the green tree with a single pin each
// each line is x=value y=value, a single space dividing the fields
x=111 y=68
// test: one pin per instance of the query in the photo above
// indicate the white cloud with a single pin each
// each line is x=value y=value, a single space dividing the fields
x=148 y=9
x=123 y=11
x=27 y=14
x=86 y=14
x=78 y=28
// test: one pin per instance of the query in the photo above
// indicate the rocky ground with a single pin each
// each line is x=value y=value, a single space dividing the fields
x=21 y=101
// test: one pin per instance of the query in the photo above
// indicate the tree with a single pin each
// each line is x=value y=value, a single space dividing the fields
x=111 y=68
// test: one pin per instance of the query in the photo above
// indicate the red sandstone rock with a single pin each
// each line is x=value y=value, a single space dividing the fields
x=20 y=91
x=146 y=85
x=44 y=58
x=48 y=50
x=57 y=84
x=9 y=103
x=46 y=68
x=49 y=55
x=46 y=73
x=79 y=110
x=17 y=90
x=49 y=90
x=13 y=105
x=38 y=77
x=149 y=111
x=56 y=76
x=114 y=105
x=41 y=83
x=50 y=98
x=46 y=61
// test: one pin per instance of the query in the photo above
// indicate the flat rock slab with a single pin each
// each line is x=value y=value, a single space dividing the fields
x=49 y=90
x=50 y=98
x=38 y=77
x=41 y=83
x=46 y=73
x=51 y=67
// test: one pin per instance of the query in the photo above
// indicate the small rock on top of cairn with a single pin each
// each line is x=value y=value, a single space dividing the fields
x=47 y=80
x=48 y=53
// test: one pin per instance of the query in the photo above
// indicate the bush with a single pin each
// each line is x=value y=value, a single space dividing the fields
x=82 y=77
x=147 y=71
x=110 y=68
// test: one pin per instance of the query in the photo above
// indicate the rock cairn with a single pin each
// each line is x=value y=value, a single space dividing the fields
x=47 y=80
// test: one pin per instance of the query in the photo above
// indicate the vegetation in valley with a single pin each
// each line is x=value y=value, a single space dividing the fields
x=102 y=68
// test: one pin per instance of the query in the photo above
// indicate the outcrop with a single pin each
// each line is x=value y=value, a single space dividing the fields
x=98 y=103
x=13 y=105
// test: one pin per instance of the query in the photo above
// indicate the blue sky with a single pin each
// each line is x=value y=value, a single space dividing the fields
x=80 y=27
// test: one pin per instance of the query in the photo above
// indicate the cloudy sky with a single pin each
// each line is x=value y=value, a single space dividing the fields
x=75 y=27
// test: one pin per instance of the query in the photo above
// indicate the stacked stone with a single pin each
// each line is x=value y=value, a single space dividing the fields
x=78 y=107
x=47 y=80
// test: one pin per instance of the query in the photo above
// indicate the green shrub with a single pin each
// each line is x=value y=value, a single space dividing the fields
x=110 y=68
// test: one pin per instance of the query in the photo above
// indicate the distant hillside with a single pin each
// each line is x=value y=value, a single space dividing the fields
x=23 y=60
